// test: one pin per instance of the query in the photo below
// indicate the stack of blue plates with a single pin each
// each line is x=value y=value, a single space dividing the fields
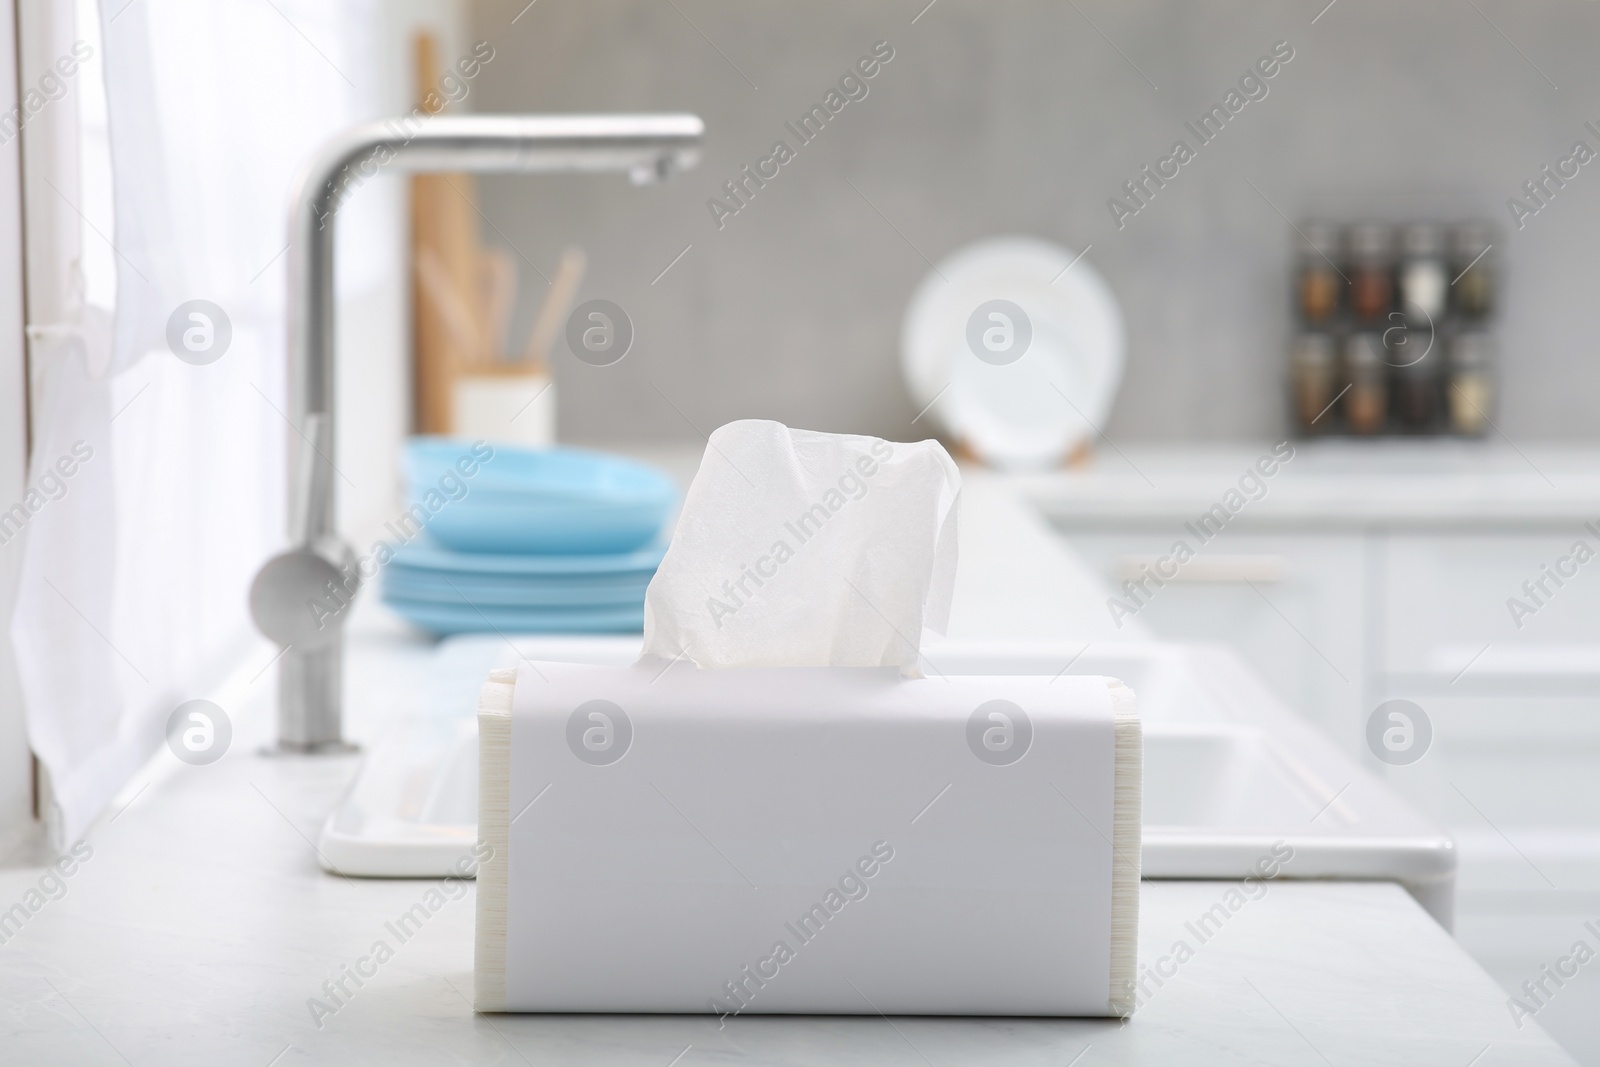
x=554 y=540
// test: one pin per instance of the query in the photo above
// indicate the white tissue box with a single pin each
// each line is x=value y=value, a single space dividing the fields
x=812 y=840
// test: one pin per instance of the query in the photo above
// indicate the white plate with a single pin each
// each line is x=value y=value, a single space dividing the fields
x=1026 y=401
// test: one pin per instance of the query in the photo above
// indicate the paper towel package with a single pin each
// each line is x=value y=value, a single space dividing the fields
x=783 y=807
x=803 y=840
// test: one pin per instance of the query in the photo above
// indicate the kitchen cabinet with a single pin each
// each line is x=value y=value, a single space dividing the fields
x=1364 y=571
x=1506 y=662
x=1382 y=570
x=1444 y=596
x=1339 y=623
x=1292 y=605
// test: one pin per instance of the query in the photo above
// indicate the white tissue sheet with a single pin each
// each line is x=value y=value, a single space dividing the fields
x=804 y=840
x=804 y=549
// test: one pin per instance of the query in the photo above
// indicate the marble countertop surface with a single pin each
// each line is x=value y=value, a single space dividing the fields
x=200 y=928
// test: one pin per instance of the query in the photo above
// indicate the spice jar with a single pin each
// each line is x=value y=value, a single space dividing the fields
x=1366 y=399
x=1319 y=283
x=1415 y=377
x=1311 y=372
x=1423 y=283
x=1371 y=267
x=1473 y=269
x=1471 y=389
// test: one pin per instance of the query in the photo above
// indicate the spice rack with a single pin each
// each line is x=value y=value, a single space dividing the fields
x=1393 y=329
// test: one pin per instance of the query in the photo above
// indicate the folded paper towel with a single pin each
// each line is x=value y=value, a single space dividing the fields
x=805 y=549
x=803 y=840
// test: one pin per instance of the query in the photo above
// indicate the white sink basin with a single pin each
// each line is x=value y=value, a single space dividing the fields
x=1230 y=773
x=1219 y=777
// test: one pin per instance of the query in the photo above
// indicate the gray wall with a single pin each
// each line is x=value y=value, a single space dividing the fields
x=1020 y=117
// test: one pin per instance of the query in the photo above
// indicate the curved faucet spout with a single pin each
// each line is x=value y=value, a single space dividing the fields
x=646 y=147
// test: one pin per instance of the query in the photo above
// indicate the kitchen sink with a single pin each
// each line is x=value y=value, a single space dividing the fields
x=1219 y=777
x=1232 y=777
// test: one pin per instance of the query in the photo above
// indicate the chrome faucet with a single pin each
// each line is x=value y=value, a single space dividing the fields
x=288 y=586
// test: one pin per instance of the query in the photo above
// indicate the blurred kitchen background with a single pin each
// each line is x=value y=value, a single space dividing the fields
x=1371 y=570
x=1027 y=120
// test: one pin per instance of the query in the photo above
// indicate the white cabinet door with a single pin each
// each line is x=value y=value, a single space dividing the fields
x=1514 y=709
x=1292 y=604
x=1524 y=597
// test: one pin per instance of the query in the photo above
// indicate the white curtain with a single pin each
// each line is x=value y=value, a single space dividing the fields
x=134 y=577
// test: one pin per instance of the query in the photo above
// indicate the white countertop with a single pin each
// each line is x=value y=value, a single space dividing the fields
x=1332 y=484
x=202 y=924
x=1017 y=579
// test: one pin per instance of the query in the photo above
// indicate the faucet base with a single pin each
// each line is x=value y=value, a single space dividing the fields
x=310 y=685
x=285 y=749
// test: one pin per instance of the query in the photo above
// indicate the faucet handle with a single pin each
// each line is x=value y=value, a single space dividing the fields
x=299 y=598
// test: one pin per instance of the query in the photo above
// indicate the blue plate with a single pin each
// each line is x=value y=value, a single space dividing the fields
x=422 y=556
x=540 y=500
x=457 y=619
x=520 y=591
